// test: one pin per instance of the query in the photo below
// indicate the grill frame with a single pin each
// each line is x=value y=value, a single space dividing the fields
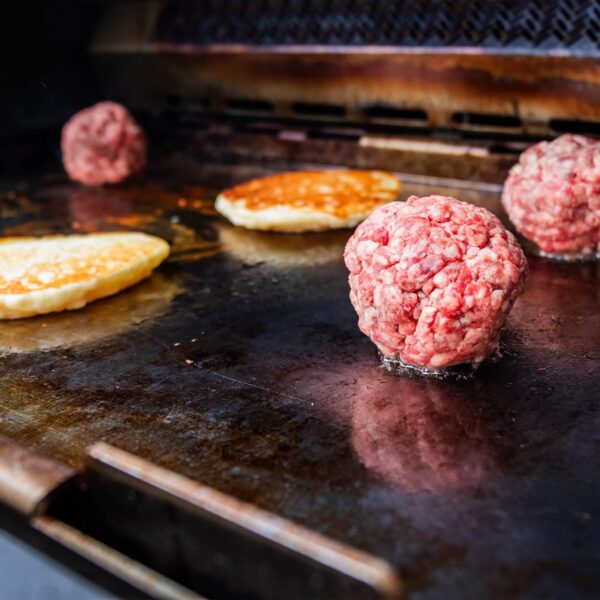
x=511 y=90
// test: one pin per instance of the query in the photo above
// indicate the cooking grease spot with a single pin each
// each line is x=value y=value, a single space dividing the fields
x=398 y=367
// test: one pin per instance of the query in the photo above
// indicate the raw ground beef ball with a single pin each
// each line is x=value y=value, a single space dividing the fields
x=552 y=195
x=102 y=144
x=432 y=280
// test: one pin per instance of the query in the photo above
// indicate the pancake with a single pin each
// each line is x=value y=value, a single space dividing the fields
x=40 y=275
x=307 y=200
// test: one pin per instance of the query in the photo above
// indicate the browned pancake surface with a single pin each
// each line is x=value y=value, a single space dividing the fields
x=339 y=193
x=29 y=267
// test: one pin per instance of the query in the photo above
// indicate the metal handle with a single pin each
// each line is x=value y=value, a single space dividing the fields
x=169 y=535
x=27 y=479
x=241 y=542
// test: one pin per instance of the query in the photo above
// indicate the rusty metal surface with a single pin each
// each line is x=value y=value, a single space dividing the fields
x=26 y=480
x=532 y=88
x=474 y=162
x=253 y=378
x=290 y=63
x=472 y=92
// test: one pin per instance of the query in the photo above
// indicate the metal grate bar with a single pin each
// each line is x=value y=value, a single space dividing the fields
x=567 y=25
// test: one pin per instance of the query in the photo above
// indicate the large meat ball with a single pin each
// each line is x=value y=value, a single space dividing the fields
x=103 y=144
x=552 y=195
x=432 y=280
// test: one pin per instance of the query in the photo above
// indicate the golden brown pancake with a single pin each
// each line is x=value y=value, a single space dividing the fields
x=52 y=273
x=307 y=200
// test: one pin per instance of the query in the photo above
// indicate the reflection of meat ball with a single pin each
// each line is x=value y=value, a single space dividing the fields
x=92 y=208
x=418 y=436
x=433 y=279
x=552 y=194
x=102 y=144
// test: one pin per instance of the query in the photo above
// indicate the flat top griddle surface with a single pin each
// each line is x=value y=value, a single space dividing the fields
x=240 y=364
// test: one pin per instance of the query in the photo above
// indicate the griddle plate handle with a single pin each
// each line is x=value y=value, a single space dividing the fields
x=205 y=535
x=27 y=480
x=175 y=538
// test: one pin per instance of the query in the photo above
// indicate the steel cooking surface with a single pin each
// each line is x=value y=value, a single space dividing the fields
x=240 y=364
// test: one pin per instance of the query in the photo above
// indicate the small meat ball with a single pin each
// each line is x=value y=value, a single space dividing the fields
x=552 y=195
x=432 y=280
x=103 y=144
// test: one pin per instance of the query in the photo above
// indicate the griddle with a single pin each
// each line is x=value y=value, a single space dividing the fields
x=223 y=429
x=239 y=365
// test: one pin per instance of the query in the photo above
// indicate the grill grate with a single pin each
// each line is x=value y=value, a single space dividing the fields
x=503 y=24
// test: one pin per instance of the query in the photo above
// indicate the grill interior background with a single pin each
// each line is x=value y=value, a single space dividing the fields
x=246 y=371
x=476 y=70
